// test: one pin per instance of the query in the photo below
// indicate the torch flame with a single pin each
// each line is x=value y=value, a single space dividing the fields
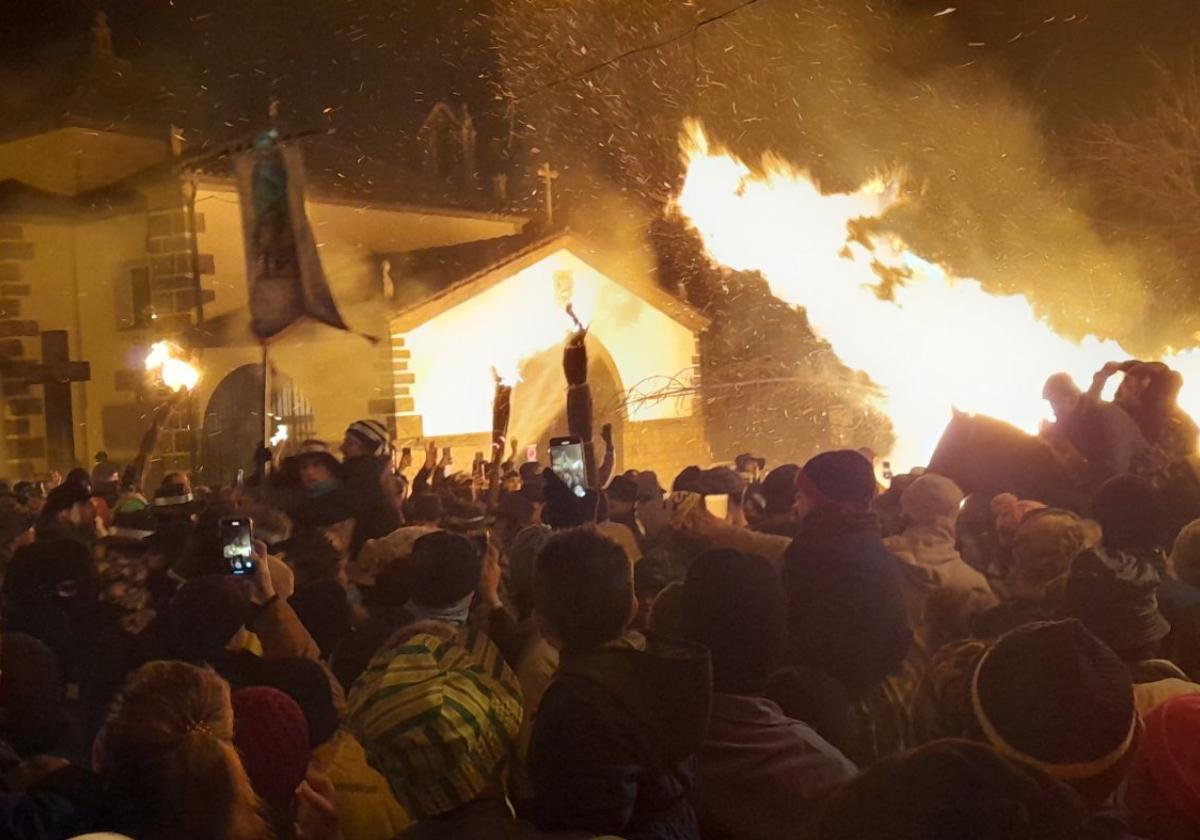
x=930 y=340
x=175 y=373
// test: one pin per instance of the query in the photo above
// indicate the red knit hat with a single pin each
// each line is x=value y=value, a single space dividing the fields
x=271 y=735
x=1170 y=752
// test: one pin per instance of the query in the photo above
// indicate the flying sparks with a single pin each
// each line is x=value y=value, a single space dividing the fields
x=932 y=341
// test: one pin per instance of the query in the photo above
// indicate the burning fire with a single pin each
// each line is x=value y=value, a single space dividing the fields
x=175 y=373
x=939 y=342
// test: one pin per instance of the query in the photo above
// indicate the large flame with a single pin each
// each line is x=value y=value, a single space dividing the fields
x=933 y=342
x=175 y=372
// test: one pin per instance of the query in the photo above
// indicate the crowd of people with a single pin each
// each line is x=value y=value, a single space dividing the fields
x=751 y=654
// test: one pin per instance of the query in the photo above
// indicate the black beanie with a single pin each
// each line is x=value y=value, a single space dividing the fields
x=843 y=476
x=953 y=789
x=204 y=615
x=1052 y=695
x=779 y=489
x=444 y=569
x=735 y=606
x=1130 y=510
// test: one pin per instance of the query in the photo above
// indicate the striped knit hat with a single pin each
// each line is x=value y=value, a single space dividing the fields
x=370 y=433
x=437 y=714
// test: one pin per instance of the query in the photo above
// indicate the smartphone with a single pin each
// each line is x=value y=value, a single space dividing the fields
x=236 y=535
x=531 y=453
x=717 y=505
x=566 y=459
x=477 y=464
x=447 y=456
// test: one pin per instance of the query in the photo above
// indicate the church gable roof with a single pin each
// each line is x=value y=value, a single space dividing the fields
x=435 y=280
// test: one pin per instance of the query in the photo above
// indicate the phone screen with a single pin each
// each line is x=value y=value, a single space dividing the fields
x=717 y=505
x=236 y=534
x=566 y=459
x=531 y=453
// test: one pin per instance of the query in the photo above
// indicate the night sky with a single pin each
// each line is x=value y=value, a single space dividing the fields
x=985 y=105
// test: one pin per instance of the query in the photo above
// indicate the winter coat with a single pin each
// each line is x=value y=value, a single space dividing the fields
x=615 y=738
x=941 y=592
x=375 y=515
x=366 y=807
x=762 y=775
x=847 y=614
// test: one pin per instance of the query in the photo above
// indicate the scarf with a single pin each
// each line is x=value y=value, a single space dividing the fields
x=455 y=613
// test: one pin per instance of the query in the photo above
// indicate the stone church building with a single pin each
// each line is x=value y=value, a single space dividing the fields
x=113 y=234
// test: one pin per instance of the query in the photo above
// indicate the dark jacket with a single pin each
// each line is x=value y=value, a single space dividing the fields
x=1107 y=437
x=614 y=741
x=374 y=515
x=846 y=614
x=62 y=804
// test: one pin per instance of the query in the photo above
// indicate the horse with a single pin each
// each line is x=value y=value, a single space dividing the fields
x=988 y=456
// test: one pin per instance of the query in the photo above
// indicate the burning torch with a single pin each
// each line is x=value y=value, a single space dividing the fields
x=174 y=372
x=501 y=413
x=579 y=394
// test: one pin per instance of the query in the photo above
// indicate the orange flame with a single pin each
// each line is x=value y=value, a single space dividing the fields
x=175 y=373
x=933 y=343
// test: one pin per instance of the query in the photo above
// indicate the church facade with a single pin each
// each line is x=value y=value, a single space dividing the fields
x=114 y=235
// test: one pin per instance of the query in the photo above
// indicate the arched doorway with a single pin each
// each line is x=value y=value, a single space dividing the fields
x=539 y=402
x=233 y=425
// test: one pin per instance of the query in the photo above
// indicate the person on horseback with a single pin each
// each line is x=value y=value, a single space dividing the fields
x=1101 y=433
x=1149 y=394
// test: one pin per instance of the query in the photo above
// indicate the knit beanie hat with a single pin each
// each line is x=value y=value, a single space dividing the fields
x=31 y=695
x=735 y=606
x=841 y=477
x=307 y=683
x=1010 y=512
x=371 y=434
x=1169 y=754
x=931 y=499
x=1115 y=595
x=1045 y=543
x=437 y=715
x=1129 y=509
x=204 y=615
x=522 y=559
x=444 y=569
x=953 y=789
x=1053 y=696
x=779 y=489
x=271 y=736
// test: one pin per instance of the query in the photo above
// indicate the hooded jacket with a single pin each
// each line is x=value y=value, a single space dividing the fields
x=846 y=613
x=615 y=738
x=941 y=592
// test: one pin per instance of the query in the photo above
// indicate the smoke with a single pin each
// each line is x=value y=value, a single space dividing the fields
x=848 y=91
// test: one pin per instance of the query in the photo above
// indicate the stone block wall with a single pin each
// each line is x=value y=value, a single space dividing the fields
x=665 y=446
x=24 y=448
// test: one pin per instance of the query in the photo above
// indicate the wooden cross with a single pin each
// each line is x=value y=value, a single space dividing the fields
x=548 y=173
x=55 y=374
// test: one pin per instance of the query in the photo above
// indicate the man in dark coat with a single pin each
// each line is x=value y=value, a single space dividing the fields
x=616 y=734
x=366 y=481
x=846 y=611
